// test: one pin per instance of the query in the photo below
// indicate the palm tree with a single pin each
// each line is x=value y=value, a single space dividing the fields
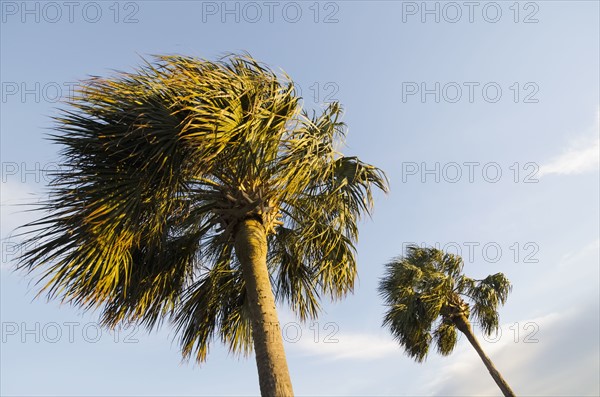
x=424 y=293
x=201 y=193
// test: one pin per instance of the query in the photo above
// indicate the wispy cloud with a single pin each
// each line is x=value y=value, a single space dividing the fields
x=359 y=346
x=13 y=196
x=582 y=156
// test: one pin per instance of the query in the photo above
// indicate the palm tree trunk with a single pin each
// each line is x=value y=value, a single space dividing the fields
x=463 y=325
x=251 y=250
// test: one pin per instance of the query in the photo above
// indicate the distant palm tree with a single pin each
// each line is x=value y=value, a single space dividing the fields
x=200 y=192
x=424 y=292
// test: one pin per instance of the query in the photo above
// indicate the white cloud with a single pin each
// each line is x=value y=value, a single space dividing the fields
x=582 y=256
x=582 y=156
x=357 y=346
x=574 y=161
x=328 y=339
x=577 y=267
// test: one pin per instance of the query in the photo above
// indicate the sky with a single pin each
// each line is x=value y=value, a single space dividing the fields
x=484 y=115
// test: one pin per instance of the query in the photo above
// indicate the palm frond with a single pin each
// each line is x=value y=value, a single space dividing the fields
x=445 y=337
x=295 y=280
x=487 y=295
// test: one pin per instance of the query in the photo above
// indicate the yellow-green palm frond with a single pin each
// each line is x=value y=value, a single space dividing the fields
x=160 y=164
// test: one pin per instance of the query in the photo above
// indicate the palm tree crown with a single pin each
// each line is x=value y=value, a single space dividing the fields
x=428 y=298
x=160 y=168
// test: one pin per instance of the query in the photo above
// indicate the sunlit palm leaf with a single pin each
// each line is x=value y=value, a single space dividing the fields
x=161 y=164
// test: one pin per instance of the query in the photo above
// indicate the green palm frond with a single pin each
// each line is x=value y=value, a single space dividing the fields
x=160 y=165
x=487 y=295
x=445 y=336
x=427 y=285
x=295 y=278
x=215 y=305
x=155 y=283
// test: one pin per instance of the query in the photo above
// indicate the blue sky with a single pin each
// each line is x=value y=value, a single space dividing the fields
x=486 y=122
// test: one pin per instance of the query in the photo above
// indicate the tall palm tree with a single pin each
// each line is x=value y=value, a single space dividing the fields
x=201 y=193
x=425 y=293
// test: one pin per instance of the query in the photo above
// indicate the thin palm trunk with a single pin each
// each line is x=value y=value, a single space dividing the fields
x=463 y=325
x=251 y=250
